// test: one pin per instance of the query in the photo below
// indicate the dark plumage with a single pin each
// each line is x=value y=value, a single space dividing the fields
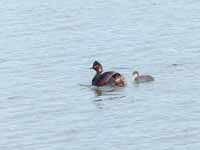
x=107 y=78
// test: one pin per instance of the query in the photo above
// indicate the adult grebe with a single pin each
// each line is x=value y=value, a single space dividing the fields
x=107 y=78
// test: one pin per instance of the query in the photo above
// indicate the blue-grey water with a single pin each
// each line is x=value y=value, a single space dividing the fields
x=46 y=48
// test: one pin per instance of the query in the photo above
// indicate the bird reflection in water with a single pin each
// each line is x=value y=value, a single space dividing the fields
x=102 y=91
x=105 y=93
x=98 y=92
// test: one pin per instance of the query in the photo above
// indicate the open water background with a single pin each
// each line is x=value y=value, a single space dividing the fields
x=46 y=48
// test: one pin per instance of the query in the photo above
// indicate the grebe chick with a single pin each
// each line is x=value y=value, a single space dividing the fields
x=141 y=78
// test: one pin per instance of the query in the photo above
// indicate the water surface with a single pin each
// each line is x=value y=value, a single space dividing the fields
x=46 y=100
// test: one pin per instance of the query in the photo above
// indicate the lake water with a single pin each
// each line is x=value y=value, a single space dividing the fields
x=46 y=101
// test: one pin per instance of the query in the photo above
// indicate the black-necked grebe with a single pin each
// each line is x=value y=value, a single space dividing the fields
x=107 y=78
x=141 y=78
